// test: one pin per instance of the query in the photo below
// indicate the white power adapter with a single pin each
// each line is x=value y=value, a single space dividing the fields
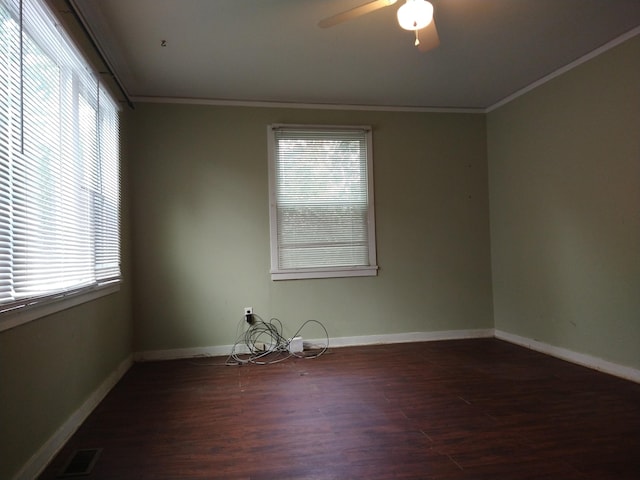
x=296 y=345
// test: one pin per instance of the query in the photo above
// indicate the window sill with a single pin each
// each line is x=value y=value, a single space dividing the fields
x=22 y=315
x=328 y=273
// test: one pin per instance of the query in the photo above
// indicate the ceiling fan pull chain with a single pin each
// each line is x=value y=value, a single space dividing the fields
x=417 y=39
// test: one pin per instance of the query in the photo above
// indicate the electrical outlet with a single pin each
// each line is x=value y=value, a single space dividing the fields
x=248 y=311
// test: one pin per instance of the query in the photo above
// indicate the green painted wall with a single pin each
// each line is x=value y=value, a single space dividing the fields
x=49 y=367
x=564 y=181
x=201 y=227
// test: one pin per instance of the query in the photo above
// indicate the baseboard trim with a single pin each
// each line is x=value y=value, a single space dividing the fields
x=222 y=350
x=585 y=360
x=39 y=460
x=180 y=353
x=410 y=337
x=589 y=361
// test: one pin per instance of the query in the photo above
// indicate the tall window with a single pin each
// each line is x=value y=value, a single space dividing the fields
x=321 y=212
x=59 y=164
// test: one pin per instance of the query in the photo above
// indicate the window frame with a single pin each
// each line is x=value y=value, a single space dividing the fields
x=73 y=72
x=278 y=273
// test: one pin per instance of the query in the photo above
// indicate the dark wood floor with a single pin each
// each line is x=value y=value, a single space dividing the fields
x=465 y=409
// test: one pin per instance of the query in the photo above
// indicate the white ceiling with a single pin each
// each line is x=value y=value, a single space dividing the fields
x=274 y=51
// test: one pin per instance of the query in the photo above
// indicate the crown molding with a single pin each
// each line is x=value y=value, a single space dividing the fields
x=570 y=66
x=307 y=106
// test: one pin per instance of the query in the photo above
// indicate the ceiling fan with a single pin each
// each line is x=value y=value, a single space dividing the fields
x=414 y=15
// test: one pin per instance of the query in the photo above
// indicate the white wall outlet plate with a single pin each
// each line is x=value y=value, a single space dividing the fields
x=248 y=310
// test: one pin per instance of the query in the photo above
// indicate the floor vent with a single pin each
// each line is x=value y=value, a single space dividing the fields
x=80 y=463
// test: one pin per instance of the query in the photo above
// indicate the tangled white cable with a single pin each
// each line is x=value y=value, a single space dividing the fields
x=264 y=343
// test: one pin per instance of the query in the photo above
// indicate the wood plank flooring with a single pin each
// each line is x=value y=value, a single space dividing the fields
x=464 y=409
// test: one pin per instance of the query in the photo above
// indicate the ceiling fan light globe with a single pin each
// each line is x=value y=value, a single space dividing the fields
x=415 y=14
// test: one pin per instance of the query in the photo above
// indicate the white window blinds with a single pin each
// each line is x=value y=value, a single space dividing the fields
x=59 y=164
x=322 y=219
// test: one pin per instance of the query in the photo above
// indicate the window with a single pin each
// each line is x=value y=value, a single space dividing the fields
x=59 y=165
x=321 y=202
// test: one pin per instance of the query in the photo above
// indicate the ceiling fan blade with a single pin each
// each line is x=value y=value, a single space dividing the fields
x=428 y=37
x=355 y=12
